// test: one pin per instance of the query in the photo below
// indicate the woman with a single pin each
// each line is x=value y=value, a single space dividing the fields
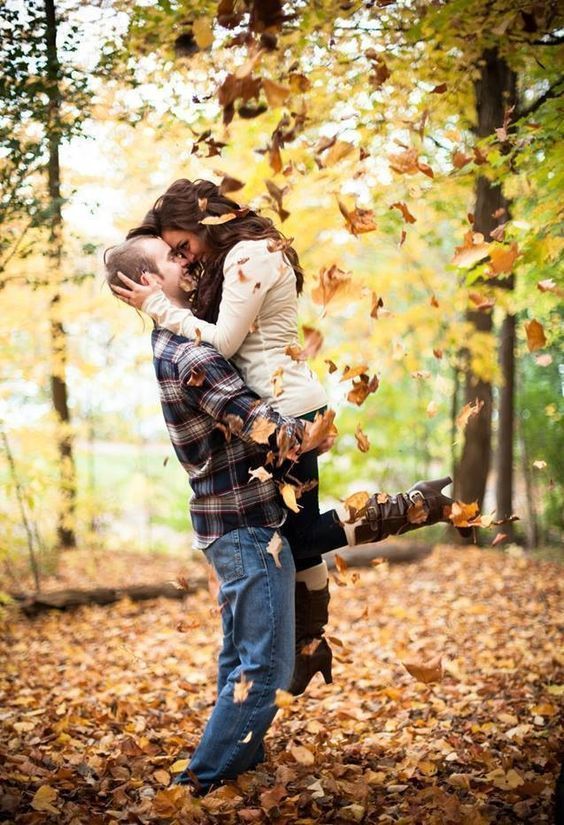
x=247 y=280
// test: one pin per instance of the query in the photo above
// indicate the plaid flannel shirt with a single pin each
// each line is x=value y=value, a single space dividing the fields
x=199 y=389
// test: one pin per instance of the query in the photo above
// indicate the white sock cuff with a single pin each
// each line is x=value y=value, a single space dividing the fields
x=349 y=529
x=315 y=578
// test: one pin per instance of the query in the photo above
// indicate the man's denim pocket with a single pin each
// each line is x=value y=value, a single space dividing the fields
x=226 y=557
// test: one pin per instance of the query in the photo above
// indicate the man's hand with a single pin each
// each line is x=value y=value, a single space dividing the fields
x=136 y=294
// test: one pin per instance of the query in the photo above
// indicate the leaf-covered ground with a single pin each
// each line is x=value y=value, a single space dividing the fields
x=98 y=705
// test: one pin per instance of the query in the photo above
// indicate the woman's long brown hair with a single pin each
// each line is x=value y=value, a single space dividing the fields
x=183 y=206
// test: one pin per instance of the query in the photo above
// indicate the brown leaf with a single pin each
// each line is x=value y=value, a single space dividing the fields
x=536 y=338
x=322 y=426
x=272 y=797
x=440 y=89
x=480 y=301
x=502 y=259
x=407 y=216
x=438 y=353
x=302 y=755
x=295 y=352
x=43 y=799
x=362 y=441
x=261 y=430
x=431 y=671
x=340 y=563
x=362 y=388
x=331 y=366
x=416 y=512
x=460 y=159
x=357 y=220
x=434 y=302
x=356 y=503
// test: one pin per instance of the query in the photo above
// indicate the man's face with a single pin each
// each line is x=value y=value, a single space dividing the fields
x=170 y=267
x=188 y=244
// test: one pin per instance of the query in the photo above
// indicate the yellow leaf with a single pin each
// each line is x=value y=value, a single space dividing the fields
x=354 y=372
x=43 y=799
x=179 y=766
x=461 y=514
x=502 y=258
x=261 y=430
x=202 y=31
x=340 y=149
x=215 y=220
x=539 y=464
x=283 y=699
x=288 y=493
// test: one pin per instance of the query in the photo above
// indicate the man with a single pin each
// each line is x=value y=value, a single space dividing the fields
x=235 y=523
x=220 y=431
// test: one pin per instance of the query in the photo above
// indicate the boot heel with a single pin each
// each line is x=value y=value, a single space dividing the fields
x=438 y=485
x=327 y=673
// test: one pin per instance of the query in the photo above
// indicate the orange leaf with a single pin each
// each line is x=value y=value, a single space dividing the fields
x=536 y=338
x=261 y=430
x=276 y=94
x=473 y=250
x=462 y=514
x=358 y=220
x=353 y=372
x=503 y=258
x=407 y=216
x=331 y=281
x=467 y=412
x=432 y=671
x=241 y=689
x=362 y=441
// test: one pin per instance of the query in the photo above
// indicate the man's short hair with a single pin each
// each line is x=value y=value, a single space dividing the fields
x=131 y=259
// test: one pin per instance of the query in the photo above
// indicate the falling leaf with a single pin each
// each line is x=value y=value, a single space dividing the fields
x=357 y=220
x=499 y=538
x=338 y=151
x=331 y=281
x=216 y=220
x=362 y=388
x=331 y=366
x=422 y=375
x=549 y=285
x=408 y=163
x=202 y=31
x=274 y=547
x=440 y=89
x=355 y=503
x=362 y=441
x=241 y=689
x=283 y=699
x=377 y=303
x=247 y=738
x=322 y=426
x=462 y=514
x=288 y=493
x=467 y=412
x=481 y=302
x=539 y=464
x=434 y=302
x=295 y=352
x=261 y=430
x=313 y=341
x=353 y=372
x=502 y=259
x=460 y=159
x=473 y=250
x=377 y=562
x=407 y=216
x=432 y=671
x=260 y=473
x=340 y=563
x=438 y=353
x=196 y=379
x=275 y=93
x=536 y=338
x=432 y=409
x=544 y=360
x=43 y=799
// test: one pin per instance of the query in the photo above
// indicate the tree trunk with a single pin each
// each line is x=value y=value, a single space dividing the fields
x=66 y=516
x=494 y=89
x=504 y=489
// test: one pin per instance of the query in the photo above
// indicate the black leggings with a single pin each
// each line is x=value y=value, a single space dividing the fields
x=309 y=532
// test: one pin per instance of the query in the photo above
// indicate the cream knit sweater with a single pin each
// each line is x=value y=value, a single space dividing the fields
x=257 y=321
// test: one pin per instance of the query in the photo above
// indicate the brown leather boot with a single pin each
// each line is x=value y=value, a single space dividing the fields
x=313 y=654
x=422 y=505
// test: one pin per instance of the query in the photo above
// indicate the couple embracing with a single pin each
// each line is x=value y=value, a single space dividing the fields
x=221 y=284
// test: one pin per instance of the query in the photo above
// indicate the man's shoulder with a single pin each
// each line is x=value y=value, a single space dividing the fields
x=184 y=353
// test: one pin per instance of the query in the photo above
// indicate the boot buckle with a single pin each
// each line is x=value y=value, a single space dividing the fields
x=414 y=495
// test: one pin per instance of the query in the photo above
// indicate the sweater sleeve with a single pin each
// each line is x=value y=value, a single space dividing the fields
x=248 y=275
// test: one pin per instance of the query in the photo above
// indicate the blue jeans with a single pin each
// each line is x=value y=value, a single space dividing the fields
x=257 y=599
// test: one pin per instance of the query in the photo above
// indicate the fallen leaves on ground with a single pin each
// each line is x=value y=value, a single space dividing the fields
x=102 y=706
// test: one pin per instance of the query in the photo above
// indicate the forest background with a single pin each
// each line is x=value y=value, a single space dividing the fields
x=411 y=149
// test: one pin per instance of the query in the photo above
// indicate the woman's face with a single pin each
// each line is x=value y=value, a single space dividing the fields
x=187 y=244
